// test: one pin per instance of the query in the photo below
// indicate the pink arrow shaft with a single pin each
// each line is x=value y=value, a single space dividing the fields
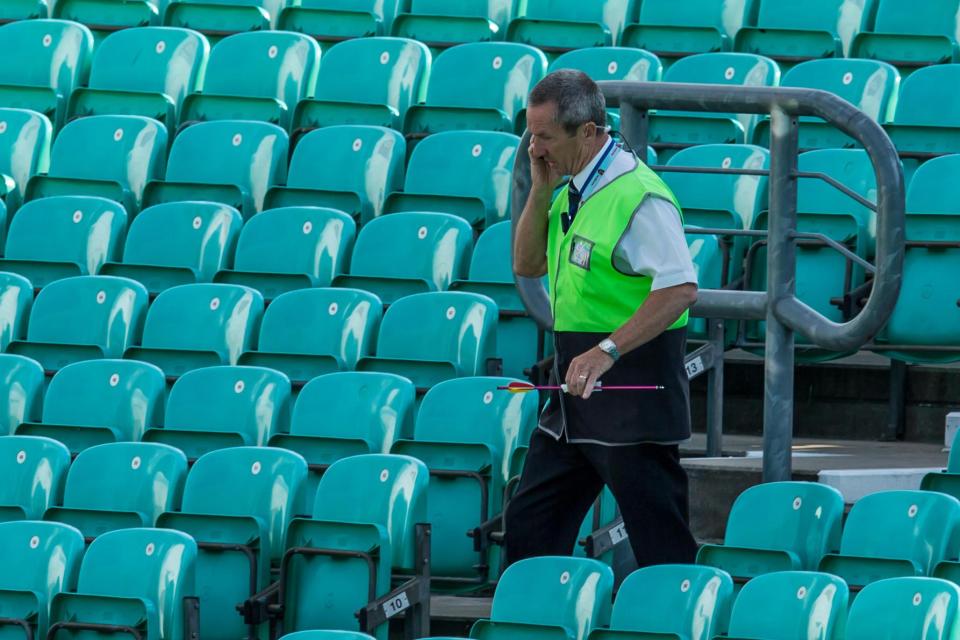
x=597 y=387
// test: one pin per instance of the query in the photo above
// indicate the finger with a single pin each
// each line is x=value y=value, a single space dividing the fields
x=571 y=379
x=590 y=384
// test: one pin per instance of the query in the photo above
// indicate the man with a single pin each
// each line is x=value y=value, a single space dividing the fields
x=621 y=281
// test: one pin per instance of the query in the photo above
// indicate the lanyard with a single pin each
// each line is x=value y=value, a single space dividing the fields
x=599 y=169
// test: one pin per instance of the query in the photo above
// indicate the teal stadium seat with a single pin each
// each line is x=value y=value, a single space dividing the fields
x=549 y=597
x=670 y=601
x=361 y=166
x=369 y=81
x=34 y=470
x=442 y=24
x=910 y=35
x=470 y=461
x=255 y=76
x=119 y=486
x=895 y=533
x=432 y=337
x=339 y=415
x=312 y=332
x=480 y=85
x=671 y=130
x=466 y=173
x=237 y=504
x=25 y=138
x=327 y=635
x=948 y=480
x=130 y=578
x=791 y=604
x=676 y=29
x=926 y=313
x=219 y=18
x=519 y=341
x=399 y=255
x=16 y=298
x=112 y=157
x=778 y=526
x=330 y=21
x=905 y=608
x=229 y=161
x=558 y=26
x=53 y=57
x=21 y=392
x=219 y=407
x=291 y=248
x=199 y=239
x=41 y=559
x=794 y=32
x=199 y=325
x=105 y=17
x=14 y=10
x=63 y=236
x=604 y=514
x=870 y=85
x=927 y=119
x=100 y=401
x=144 y=71
x=366 y=504
x=83 y=318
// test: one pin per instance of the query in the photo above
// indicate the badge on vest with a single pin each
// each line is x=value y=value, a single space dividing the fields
x=580 y=251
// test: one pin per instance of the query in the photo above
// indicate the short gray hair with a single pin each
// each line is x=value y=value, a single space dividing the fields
x=578 y=98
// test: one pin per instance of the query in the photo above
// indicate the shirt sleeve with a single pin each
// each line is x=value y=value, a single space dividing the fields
x=654 y=245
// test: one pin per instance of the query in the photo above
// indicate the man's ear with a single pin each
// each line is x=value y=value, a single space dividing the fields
x=588 y=130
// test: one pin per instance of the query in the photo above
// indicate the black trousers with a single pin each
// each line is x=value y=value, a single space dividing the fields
x=560 y=482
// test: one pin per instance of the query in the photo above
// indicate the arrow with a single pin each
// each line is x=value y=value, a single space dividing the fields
x=526 y=387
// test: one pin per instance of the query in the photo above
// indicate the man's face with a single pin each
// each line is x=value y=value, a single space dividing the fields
x=561 y=151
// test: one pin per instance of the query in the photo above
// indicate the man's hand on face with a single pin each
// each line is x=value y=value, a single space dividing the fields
x=542 y=176
x=585 y=370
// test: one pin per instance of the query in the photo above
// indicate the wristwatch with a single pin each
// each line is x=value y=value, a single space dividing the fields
x=609 y=347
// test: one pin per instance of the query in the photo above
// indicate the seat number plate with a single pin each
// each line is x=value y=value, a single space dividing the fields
x=618 y=534
x=694 y=367
x=395 y=605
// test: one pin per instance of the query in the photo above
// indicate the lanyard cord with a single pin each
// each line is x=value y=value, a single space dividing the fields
x=599 y=169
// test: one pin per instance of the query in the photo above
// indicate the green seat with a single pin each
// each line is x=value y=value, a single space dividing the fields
x=466 y=173
x=926 y=313
x=100 y=401
x=708 y=254
x=558 y=26
x=199 y=325
x=105 y=17
x=112 y=157
x=16 y=298
x=399 y=255
x=53 y=57
x=83 y=318
x=442 y=24
x=21 y=391
x=368 y=81
x=670 y=601
x=129 y=578
x=311 y=332
x=869 y=85
x=219 y=407
x=679 y=129
x=24 y=151
x=793 y=32
x=229 y=161
x=40 y=560
x=331 y=21
x=145 y=71
x=470 y=464
x=219 y=18
x=63 y=236
x=895 y=533
x=34 y=470
x=905 y=608
x=291 y=248
x=368 y=504
x=778 y=526
x=676 y=29
x=911 y=35
x=480 y=85
x=255 y=76
x=327 y=635
x=339 y=415
x=947 y=481
x=549 y=598
x=927 y=119
x=14 y=10
x=199 y=239
x=237 y=504
x=361 y=166
x=519 y=341
x=432 y=337
x=119 y=486
x=790 y=604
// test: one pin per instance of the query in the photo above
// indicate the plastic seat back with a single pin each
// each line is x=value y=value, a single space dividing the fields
x=819 y=29
x=442 y=24
x=612 y=63
x=672 y=30
x=561 y=26
x=16 y=298
x=25 y=138
x=823 y=208
x=331 y=21
x=927 y=119
x=361 y=166
x=905 y=608
x=23 y=10
x=909 y=35
x=217 y=18
x=21 y=391
x=34 y=470
x=776 y=605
